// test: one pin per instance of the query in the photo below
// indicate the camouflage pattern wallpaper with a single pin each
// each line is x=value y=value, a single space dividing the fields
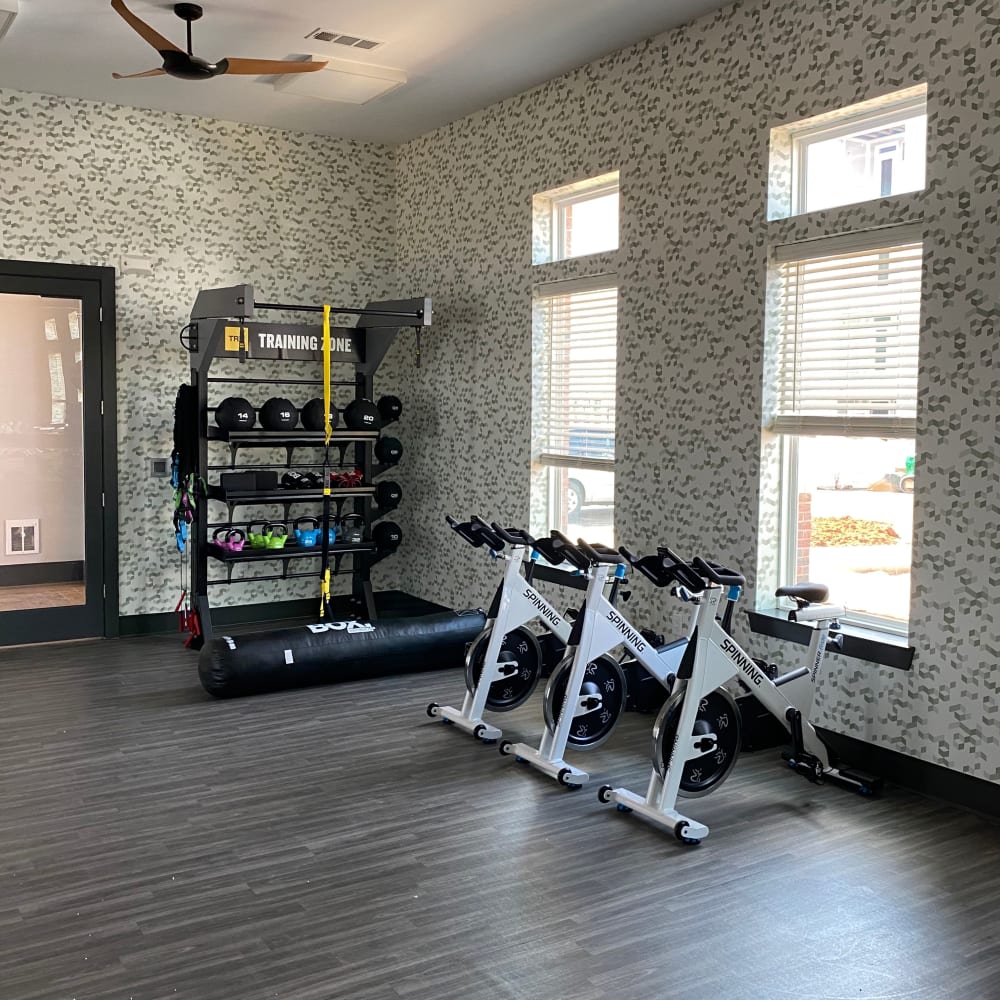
x=304 y=218
x=686 y=118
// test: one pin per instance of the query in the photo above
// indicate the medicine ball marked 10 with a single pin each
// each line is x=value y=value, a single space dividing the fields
x=312 y=416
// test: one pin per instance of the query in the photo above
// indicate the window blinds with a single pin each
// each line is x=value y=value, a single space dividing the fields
x=579 y=324
x=849 y=330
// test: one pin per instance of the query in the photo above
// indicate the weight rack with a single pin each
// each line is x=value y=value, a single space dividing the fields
x=223 y=325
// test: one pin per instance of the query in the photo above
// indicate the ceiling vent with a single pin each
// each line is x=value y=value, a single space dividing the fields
x=342 y=38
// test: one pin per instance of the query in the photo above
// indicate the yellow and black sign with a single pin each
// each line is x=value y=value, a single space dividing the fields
x=237 y=337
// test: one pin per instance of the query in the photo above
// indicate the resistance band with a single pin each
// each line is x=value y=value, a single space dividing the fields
x=324 y=586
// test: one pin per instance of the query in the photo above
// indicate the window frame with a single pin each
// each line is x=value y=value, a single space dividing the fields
x=808 y=135
x=788 y=532
x=561 y=203
x=887 y=238
x=551 y=462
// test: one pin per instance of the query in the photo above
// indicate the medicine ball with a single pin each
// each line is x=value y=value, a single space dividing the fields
x=391 y=408
x=387 y=536
x=362 y=415
x=234 y=413
x=388 y=495
x=388 y=450
x=279 y=414
x=312 y=415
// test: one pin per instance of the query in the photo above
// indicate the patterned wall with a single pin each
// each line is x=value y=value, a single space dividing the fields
x=685 y=117
x=212 y=203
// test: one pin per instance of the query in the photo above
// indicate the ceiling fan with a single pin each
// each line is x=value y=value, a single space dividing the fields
x=186 y=65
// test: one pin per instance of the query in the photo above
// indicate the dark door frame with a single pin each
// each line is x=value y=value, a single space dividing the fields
x=103 y=279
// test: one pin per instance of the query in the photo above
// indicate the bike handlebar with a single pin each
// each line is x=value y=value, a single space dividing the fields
x=718 y=574
x=564 y=549
x=476 y=532
x=600 y=553
x=513 y=536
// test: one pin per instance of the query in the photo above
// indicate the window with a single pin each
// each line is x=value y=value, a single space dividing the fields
x=868 y=151
x=573 y=409
x=575 y=220
x=845 y=324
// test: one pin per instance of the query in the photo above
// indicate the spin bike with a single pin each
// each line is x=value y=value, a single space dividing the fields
x=696 y=736
x=589 y=677
x=504 y=662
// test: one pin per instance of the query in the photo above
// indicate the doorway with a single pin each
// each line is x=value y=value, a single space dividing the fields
x=58 y=475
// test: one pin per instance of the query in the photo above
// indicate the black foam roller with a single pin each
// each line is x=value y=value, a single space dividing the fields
x=332 y=652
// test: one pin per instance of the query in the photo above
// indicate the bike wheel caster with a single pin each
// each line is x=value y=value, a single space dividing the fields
x=565 y=779
x=432 y=709
x=478 y=731
x=505 y=748
x=680 y=832
x=604 y=793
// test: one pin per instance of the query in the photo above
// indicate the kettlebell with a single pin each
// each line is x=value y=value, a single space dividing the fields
x=388 y=495
x=234 y=413
x=308 y=538
x=331 y=534
x=387 y=536
x=388 y=450
x=312 y=415
x=276 y=534
x=352 y=529
x=232 y=541
x=257 y=540
x=279 y=414
x=362 y=415
x=390 y=408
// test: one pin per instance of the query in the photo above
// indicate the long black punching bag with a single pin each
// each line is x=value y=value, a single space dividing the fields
x=330 y=652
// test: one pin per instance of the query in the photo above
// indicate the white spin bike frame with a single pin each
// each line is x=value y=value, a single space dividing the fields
x=717 y=658
x=602 y=628
x=519 y=604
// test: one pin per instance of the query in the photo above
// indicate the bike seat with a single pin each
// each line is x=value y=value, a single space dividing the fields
x=806 y=593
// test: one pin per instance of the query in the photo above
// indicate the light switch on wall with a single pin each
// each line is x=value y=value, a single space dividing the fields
x=159 y=468
x=137 y=265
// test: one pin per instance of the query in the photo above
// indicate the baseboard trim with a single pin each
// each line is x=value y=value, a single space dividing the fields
x=921 y=776
x=243 y=614
x=390 y=604
x=30 y=574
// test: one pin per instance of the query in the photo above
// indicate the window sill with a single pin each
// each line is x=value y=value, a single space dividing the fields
x=859 y=643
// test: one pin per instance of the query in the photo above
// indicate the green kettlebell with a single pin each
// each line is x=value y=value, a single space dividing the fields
x=277 y=535
x=257 y=540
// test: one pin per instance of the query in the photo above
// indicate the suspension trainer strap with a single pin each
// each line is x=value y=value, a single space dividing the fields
x=324 y=586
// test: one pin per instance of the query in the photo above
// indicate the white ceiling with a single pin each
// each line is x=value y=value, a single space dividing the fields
x=459 y=55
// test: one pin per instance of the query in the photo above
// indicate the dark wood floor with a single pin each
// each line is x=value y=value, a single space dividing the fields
x=336 y=843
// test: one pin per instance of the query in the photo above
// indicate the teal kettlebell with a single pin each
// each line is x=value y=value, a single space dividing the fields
x=308 y=538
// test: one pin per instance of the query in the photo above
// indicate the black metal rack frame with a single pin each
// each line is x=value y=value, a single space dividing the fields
x=223 y=326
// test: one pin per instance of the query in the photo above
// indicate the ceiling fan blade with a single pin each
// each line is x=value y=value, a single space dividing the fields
x=152 y=36
x=135 y=76
x=269 y=67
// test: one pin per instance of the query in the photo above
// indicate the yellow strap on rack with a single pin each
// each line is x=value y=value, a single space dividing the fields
x=327 y=426
x=324 y=593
